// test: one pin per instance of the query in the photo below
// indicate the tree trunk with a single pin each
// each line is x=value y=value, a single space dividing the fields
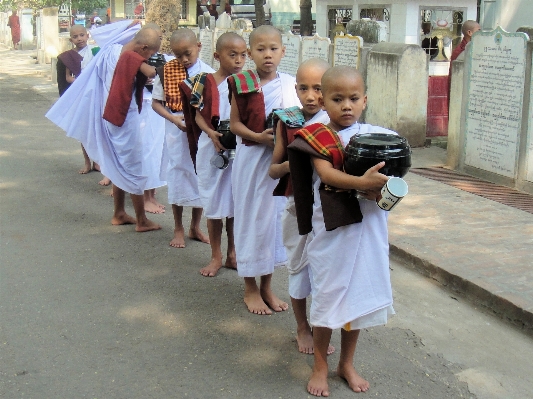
x=306 y=18
x=166 y=14
x=259 y=13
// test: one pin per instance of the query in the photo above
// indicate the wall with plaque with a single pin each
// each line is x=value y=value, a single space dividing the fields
x=315 y=47
x=290 y=63
x=528 y=176
x=206 y=52
x=347 y=50
x=249 y=64
x=496 y=65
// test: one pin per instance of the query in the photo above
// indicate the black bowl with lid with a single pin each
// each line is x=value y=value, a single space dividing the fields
x=366 y=150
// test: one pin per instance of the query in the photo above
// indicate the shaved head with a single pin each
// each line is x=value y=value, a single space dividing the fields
x=265 y=30
x=313 y=64
x=183 y=35
x=148 y=37
x=226 y=39
x=471 y=26
x=335 y=74
x=77 y=29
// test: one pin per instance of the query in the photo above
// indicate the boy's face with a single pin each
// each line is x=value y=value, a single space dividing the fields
x=186 y=52
x=266 y=52
x=344 y=100
x=308 y=90
x=78 y=37
x=232 y=56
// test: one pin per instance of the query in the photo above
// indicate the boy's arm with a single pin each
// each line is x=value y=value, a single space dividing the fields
x=160 y=109
x=277 y=170
x=213 y=134
x=237 y=127
x=147 y=70
x=370 y=183
x=69 y=77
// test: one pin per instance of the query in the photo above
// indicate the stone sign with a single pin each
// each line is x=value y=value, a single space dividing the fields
x=495 y=94
x=315 y=47
x=347 y=50
x=290 y=63
x=218 y=32
x=206 y=52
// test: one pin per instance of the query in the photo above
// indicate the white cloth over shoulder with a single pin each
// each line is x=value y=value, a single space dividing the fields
x=258 y=238
x=79 y=111
x=350 y=265
x=214 y=184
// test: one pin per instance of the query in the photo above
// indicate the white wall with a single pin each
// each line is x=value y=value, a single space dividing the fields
x=512 y=14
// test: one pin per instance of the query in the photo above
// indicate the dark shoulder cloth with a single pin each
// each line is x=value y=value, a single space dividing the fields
x=339 y=207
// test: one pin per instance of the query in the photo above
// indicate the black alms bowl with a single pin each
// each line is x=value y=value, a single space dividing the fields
x=367 y=150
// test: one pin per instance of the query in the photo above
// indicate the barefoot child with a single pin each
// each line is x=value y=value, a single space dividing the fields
x=348 y=253
x=254 y=94
x=181 y=178
x=203 y=117
x=308 y=89
x=123 y=157
x=69 y=66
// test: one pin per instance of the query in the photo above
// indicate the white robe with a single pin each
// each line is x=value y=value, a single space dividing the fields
x=79 y=111
x=181 y=178
x=258 y=236
x=215 y=184
x=350 y=265
x=153 y=137
x=295 y=244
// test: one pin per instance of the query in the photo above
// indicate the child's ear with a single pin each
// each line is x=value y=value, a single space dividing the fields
x=283 y=48
x=199 y=46
x=216 y=56
x=364 y=102
x=321 y=102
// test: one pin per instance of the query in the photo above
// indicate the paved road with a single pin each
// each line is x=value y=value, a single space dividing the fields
x=90 y=310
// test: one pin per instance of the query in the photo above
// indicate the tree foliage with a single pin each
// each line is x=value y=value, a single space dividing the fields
x=83 y=6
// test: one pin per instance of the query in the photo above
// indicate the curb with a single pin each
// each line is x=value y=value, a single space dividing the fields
x=500 y=306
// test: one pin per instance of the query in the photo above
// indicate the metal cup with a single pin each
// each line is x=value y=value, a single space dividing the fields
x=392 y=193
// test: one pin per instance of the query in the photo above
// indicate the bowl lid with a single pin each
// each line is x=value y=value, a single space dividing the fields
x=378 y=144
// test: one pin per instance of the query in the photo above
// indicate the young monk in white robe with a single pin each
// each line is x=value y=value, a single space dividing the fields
x=122 y=143
x=308 y=90
x=349 y=260
x=180 y=175
x=258 y=240
x=207 y=105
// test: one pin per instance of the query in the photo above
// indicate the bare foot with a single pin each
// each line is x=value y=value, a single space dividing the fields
x=304 y=338
x=86 y=169
x=255 y=303
x=96 y=167
x=354 y=380
x=156 y=203
x=147 y=225
x=151 y=208
x=212 y=268
x=123 y=219
x=273 y=301
x=104 y=182
x=196 y=234
x=318 y=383
x=178 y=241
x=231 y=261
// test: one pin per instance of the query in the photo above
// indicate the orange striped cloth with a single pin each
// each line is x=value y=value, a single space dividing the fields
x=174 y=73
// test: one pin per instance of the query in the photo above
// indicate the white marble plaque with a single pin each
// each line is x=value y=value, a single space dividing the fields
x=315 y=47
x=495 y=97
x=249 y=64
x=529 y=154
x=206 y=52
x=290 y=63
x=347 y=50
